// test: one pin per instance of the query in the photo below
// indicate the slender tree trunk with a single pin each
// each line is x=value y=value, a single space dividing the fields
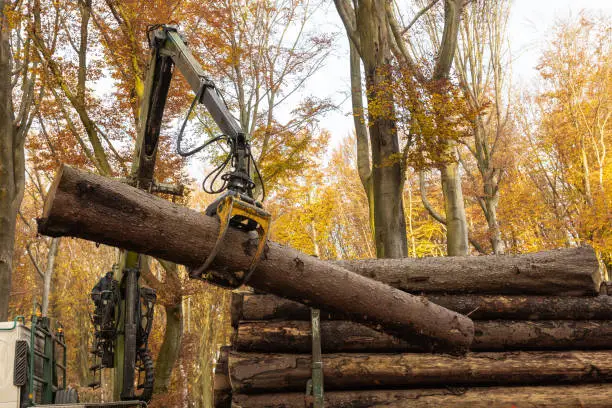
x=51 y=256
x=364 y=165
x=456 y=224
x=491 y=202
x=169 y=351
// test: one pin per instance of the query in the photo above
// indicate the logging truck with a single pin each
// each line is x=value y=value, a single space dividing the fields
x=33 y=367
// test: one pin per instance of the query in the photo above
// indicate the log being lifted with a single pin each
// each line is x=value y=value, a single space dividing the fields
x=497 y=335
x=254 y=373
x=560 y=272
x=477 y=307
x=565 y=396
x=96 y=208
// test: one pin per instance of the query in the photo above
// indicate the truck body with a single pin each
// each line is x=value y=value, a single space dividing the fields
x=33 y=368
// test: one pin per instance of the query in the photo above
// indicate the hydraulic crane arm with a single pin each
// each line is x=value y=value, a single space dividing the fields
x=169 y=50
x=235 y=208
x=175 y=47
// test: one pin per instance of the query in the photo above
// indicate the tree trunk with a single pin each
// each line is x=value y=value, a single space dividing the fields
x=252 y=372
x=99 y=209
x=387 y=181
x=50 y=268
x=12 y=163
x=491 y=201
x=342 y=336
x=169 y=351
x=574 y=396
x=456 y=224
x=560 y=272
x=478 y=307
x=364 y=166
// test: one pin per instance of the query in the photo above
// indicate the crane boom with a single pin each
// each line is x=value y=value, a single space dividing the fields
x=235 y=208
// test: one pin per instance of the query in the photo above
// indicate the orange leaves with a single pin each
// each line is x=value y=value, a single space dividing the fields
x=427 y=114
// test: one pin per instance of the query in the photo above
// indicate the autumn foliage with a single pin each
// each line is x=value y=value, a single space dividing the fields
x=550 y=177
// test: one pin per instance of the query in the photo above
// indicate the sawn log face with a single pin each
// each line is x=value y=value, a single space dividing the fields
x=92 y=207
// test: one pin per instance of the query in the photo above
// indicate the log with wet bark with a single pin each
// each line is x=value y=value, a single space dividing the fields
x=564 y=396
x=293 y=336
x=93 y=207
x=253 y=372
x=560 y=272
x=477 y=307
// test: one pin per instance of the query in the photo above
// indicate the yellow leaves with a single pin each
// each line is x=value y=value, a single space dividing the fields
x=428 y=115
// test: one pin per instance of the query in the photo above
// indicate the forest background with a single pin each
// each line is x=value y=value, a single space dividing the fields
x=483 y=163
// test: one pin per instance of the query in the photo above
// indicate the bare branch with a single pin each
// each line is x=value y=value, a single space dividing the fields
x=419 y=14
x=435 y=215
x=40 y=272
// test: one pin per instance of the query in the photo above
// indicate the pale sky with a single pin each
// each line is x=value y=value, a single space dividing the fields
x=529 y=27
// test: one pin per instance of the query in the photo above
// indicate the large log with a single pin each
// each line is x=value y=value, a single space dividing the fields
x=253 y=372
x=560 y=272
x=96 y=208
x=477 y=307
x=574 y=396
x=490 y=307
x=293 y=336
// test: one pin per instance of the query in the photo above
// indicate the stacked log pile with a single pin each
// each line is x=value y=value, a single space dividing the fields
x=543 y=338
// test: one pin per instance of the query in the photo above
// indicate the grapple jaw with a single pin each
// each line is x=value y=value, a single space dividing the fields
x=238 y=211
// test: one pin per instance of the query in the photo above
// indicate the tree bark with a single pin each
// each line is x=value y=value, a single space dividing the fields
x=368 y=30
x=456 y=223
x=560 y=272
x=252 y=372
x=574 y=396
x=99 y=209
x=293 y=336
x=14 y=124
x=477 y=307
x=364 y=166
x=49 y=269
x=489 y=307
x=169 y=351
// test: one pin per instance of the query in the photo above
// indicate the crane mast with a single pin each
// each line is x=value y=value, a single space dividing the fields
x=236 y=208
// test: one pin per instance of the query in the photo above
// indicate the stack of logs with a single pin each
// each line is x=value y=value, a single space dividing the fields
x=543 y=338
